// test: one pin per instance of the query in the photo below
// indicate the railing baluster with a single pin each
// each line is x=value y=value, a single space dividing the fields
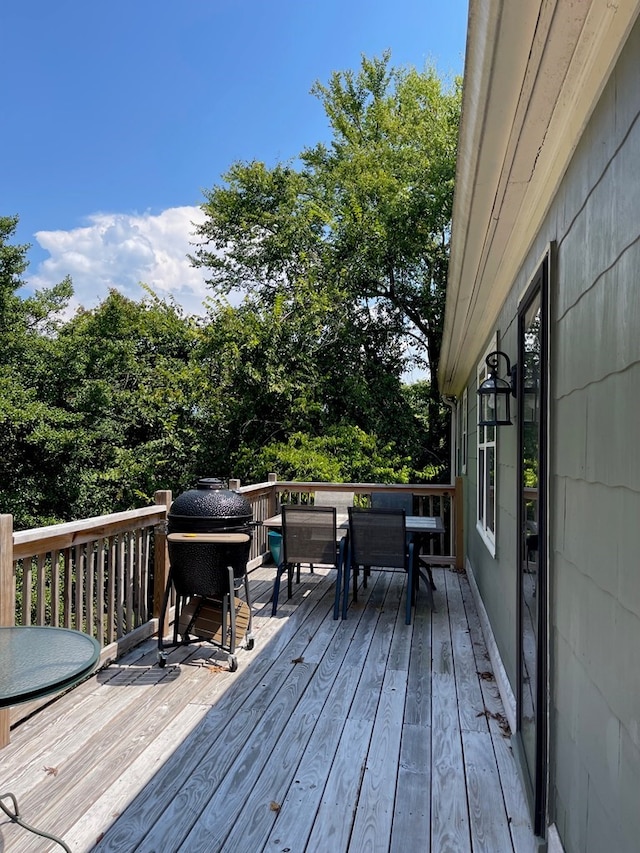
x=89 y=605
x=55 y=588
x=137 y=586
x=26 y=591
x=146 y=561
x=111 y=615
x=41 y=587
x=68 y=588
x=100 y=579
x=120 y=591
x=78 y=559
x=129 y=582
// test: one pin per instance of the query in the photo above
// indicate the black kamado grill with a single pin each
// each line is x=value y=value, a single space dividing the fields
x=209 y=538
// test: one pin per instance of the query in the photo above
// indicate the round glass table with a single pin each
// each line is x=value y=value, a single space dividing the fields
x=37 y=661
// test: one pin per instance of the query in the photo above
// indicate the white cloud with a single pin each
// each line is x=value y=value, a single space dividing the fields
x=120 y=251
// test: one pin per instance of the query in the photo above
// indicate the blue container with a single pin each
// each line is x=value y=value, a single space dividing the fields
x=275 y=545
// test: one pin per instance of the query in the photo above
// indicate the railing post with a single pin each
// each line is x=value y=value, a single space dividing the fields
x=7 y=601
x=459 y=517
x=234 y=485
x=161 y=560
x=273 y=504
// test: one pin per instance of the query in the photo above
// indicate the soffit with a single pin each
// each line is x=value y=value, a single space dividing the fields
x=533 y=74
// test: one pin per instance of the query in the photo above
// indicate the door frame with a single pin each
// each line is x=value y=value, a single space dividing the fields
x=536 y=787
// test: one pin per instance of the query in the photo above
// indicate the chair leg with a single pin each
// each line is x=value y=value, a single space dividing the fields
x=345 y=588
x=336 y=603
x=410 y=591
x=290 y=578
x=276 y=588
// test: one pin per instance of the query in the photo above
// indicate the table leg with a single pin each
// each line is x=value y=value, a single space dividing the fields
x=418 y=573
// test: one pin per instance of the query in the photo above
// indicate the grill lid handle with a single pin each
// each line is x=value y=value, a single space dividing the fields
x=210 y=483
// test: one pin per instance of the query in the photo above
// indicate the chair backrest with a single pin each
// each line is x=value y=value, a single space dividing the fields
x=309 y=534
x=392 y=500
x=340 y=500
x=377 y=537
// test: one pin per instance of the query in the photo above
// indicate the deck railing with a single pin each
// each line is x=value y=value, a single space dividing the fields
x=434 y=500
x=106 y=575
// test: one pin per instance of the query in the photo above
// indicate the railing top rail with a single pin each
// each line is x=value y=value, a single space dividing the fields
x=367 y=488
x=71 y=532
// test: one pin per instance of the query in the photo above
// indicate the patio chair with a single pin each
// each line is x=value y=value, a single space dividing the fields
x=340 y=500
x=402 y=500
x=392 y=500
x=309 y=536
x=378 y=537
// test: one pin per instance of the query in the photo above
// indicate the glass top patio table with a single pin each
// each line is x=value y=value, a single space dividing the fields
x=36 y=661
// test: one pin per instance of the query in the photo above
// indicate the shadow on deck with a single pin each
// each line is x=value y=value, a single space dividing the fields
x=364 y=734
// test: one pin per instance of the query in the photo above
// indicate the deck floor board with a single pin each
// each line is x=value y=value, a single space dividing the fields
x=364 y=734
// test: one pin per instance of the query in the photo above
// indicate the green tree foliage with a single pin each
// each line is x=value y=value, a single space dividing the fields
x=30 y=430
x=364 y=222
x=124 y=373
x=342 y=259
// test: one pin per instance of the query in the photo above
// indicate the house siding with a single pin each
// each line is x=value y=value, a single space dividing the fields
x=593 y=226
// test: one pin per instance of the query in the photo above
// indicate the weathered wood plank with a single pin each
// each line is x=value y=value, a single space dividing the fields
x=90 y=828
x=517 y=810
x=296 y=818
x=281 y=771
x=332 y=827
x=418 y=701
x=234 y=782
x=77 y=767
x=489 y=822
x=374 y=666
x=449 y=815
x=374 y=812
x=470 y=701
x=412 y=810
x=442 y=651
x=199 y=748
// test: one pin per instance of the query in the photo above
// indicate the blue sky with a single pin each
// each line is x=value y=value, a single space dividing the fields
x=118 y=115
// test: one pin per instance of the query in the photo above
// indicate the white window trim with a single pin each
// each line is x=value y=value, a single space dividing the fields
x=486 y=533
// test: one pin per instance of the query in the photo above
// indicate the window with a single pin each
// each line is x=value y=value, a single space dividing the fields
x=486 y=523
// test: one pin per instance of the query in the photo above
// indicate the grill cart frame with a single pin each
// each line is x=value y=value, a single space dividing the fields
x=205 y=571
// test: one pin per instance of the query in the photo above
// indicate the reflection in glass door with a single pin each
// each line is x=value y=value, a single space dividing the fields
x=532 y=609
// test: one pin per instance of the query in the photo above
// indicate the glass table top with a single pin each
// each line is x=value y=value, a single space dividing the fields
x=36 y=661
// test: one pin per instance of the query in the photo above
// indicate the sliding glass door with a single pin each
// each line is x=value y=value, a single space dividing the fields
x=532 y=525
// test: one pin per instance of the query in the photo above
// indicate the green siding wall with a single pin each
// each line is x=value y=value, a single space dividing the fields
x=594 y=506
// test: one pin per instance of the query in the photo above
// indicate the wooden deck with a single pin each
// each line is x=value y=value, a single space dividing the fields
x=356 y=735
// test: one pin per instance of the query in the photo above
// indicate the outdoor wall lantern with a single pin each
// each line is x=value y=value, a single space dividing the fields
x=495 y=393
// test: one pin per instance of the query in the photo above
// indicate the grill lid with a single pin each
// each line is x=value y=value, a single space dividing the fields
x=209 y=499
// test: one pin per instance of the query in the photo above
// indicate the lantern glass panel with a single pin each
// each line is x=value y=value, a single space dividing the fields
x=495 y=407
